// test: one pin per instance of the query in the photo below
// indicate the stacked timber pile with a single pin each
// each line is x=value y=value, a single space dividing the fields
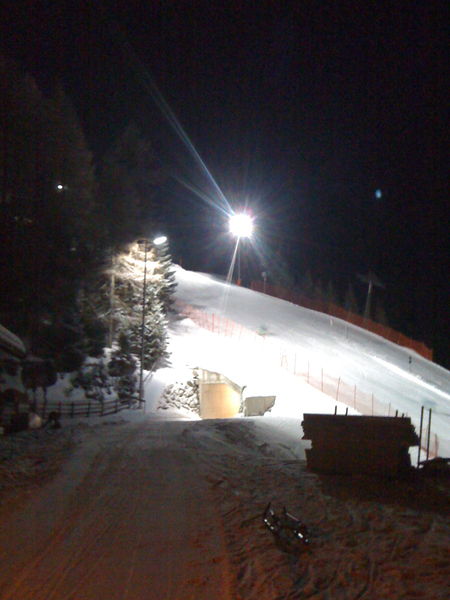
x=359 y=444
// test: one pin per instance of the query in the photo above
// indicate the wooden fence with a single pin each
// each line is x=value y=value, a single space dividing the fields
x=89 y=408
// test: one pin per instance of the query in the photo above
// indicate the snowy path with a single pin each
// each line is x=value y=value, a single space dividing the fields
x=137 y=524
x=165 y=510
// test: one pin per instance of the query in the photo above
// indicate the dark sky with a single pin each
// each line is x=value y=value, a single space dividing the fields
x=302 y=110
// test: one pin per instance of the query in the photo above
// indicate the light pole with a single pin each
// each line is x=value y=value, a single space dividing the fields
x=241 y=226
x=158 y=241
x=144 y=312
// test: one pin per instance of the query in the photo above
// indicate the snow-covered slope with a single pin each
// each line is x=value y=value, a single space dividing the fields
x=358 y=357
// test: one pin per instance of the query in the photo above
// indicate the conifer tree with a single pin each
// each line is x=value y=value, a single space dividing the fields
x=165 y=269
x=129 y=178
x=350 y=302
x=307 y=285
x=331 y=294
x=47 y=203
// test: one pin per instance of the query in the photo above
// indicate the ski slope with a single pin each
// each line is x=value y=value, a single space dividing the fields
x=393 y=374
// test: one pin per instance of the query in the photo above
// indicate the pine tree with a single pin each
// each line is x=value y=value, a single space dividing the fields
x=153 y=339
x=318 y=292
x=165 y=269
x=128 y=303
x=380 y=313
x=331 y=295
x=129 y=179
x=47 y=204
x=307 y=285
x=350 y=302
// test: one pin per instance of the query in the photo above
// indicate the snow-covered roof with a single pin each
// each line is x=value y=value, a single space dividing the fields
x=11 y=343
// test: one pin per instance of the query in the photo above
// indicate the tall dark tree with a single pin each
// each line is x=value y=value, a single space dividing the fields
x=129 y=179
x=166 y=272
x=350 y=302
x=47 y=204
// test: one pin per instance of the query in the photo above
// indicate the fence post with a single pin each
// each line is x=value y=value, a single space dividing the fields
x=420 y=434
x=429 y=431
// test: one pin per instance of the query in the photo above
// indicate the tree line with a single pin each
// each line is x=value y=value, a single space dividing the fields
x=65 y=222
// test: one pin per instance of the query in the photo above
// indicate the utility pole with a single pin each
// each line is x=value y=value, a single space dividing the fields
x=144 y=301
x=112 y=286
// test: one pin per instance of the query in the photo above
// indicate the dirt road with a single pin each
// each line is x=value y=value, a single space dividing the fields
x=129 y=518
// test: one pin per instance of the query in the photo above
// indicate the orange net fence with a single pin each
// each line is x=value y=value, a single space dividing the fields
x=297 y=364
x=334 y=310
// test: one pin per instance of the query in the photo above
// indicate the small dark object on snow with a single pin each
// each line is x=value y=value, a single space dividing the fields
x=53 y=420
x=290 y=533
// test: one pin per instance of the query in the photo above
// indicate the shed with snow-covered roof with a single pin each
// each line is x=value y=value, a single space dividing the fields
x=14 y=405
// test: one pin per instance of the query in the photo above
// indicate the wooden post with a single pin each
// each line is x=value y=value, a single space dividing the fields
x=428 y=434
x=420 y=435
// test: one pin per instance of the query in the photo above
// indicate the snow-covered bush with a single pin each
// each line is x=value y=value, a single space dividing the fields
x=93 y=379
x=122 y=368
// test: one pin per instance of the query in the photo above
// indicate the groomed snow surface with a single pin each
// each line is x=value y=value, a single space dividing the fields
x=159 y=505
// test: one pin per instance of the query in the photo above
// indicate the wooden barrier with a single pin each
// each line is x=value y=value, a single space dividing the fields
x=349 y=445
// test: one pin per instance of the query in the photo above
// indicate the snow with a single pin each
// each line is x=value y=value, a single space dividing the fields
x=11 y=342
x=358 y=357
x=160 y=504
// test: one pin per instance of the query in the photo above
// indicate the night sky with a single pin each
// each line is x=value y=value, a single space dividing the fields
x=328 y=120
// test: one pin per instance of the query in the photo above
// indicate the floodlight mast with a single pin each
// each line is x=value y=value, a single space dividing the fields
x=241 y=226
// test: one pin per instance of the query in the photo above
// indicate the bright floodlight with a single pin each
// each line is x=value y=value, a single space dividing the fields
x=160 y=240
x=241 y=225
